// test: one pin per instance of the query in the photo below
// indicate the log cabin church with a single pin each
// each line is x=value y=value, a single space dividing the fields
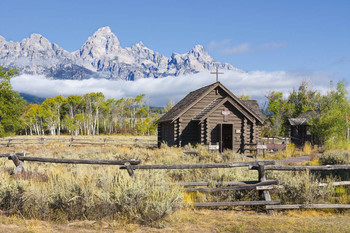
x=212 y=115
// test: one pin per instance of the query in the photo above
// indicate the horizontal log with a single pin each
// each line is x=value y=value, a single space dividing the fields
x=76 y=139
x=23 y=143
x=232 y=188
x=199 y=166
x=222 y=183
x=308 y=206
x=78 y=161
x=236 y=203
x=87 y=143
x=9 y=154
x=19 y=139
x=337 y=183
x=267 y=187
x=311 y=168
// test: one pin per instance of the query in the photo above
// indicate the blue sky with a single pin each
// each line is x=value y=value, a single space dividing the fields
x=306 y=37
x=251 y=35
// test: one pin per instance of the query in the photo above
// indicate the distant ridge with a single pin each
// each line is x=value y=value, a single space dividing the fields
x=101 y=56
x=32 y=99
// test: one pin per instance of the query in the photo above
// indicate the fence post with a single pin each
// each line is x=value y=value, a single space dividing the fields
x=18 y=163
x=41 y=141
x=265 y=193
x=131 y=172
x=9 y=143
x=71 y=142
x=104 y=142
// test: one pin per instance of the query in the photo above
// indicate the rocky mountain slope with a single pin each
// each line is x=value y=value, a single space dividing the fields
x=101 y=57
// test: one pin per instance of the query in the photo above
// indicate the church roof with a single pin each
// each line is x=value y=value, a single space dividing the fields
x=207 y=109
x=254 y=106
x=185 y=102
x=194 y=97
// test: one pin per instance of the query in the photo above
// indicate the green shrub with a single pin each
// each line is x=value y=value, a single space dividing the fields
x=335 y=157
x=301 y=187
x=146 y=200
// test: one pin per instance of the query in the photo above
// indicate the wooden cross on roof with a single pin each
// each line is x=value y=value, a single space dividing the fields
x=217 y=73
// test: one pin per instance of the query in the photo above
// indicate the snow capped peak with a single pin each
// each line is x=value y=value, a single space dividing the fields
x=2 y=41
x=35 y=36
x=101 y=56
x=36 y=42
x=104 y=30
x=140 y=44
x=198 y=51
x=103 y=43
x=198 y=48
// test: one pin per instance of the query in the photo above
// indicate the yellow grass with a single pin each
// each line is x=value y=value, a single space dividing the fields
x=49 y=178
x=196 y=221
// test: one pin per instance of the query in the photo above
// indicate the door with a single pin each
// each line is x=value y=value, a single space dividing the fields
x=226 y=137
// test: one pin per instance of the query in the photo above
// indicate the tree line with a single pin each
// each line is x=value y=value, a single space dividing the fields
x=94 y=114
x=91 y=114
x=331 y=112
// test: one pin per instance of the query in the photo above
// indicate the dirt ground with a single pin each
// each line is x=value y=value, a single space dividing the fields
x=197 y=221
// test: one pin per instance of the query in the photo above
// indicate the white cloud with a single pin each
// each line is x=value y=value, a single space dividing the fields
x=218 y=44
x=272 y=45
x=256 y=84
x=242 y=48
x=226 y=47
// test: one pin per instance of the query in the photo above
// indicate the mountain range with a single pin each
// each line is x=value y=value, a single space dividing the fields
x=101 y=56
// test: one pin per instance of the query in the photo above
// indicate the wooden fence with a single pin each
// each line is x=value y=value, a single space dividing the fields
x=141 y=142
x=261 y=185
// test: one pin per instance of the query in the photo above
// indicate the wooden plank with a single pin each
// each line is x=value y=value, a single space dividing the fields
x=221 y=183
x=77 y=161
x=308 y=206
x=199 y=166
x=232 y=188
x=311 y=168
x=267 y=187
x=9 y=154
x=338 y=183
x=236 y=203
x=264 y=193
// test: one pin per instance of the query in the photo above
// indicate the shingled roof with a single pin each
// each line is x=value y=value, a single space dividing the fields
x=254 y=106
x=303 y=118
x=185 y=102
x=207 y=109
x=194 y=96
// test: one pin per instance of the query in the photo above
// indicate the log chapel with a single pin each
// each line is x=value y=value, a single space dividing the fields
x=212 y=115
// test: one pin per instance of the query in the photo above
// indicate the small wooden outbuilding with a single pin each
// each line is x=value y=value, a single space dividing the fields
x=212 y=115
x=299 y=128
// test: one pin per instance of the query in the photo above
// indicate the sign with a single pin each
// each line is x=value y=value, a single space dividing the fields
x=213 y=147
x=225 y=113
x=261 y=147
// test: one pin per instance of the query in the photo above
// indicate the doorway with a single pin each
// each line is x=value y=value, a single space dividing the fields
x=226 y=137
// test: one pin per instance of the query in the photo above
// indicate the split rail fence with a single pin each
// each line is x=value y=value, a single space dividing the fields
x=141 y=142
x=261 y=185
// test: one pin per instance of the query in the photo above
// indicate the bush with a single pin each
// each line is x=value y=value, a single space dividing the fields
x=146 y=200
x=335 y=157
x=301 y=187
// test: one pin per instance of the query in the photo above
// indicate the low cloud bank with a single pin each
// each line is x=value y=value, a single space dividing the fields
x=256 y=84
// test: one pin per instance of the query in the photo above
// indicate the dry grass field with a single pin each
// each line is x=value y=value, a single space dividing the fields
x=91 y=198
x=195 y=221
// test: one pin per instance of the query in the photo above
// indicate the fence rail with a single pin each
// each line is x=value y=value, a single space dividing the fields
x=201 y=166
x=261 y=185
x=150 y=142
x=311 y=168
x=308 y=206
